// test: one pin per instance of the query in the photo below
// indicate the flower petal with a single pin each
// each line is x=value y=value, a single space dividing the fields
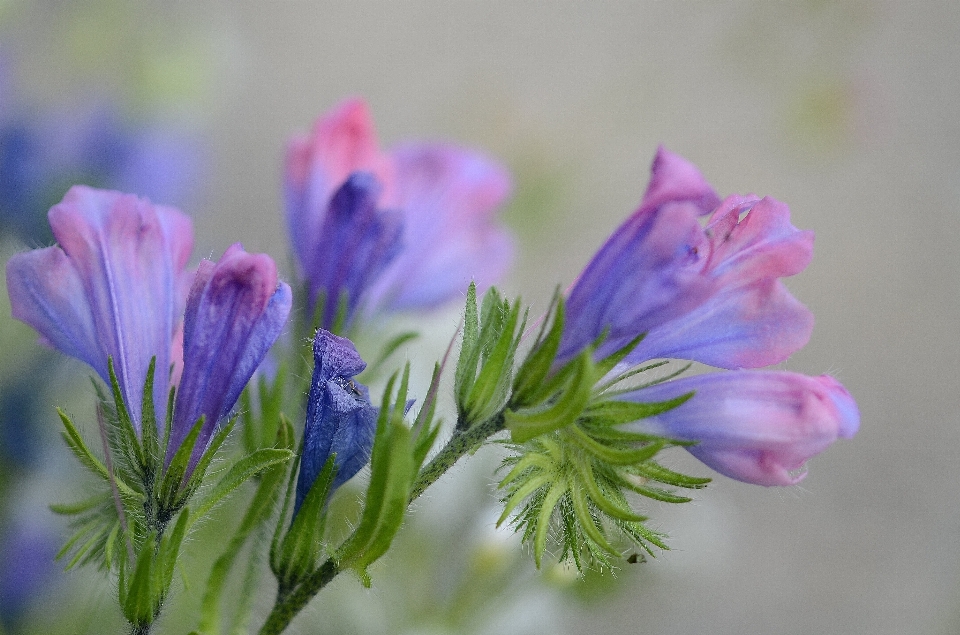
x=449 y=197
x=342 y=142
x=754 y=426
x=749 y=320
x=358 y=241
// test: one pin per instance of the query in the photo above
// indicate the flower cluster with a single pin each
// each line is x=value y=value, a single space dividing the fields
x=713 y=295
x=689 y=276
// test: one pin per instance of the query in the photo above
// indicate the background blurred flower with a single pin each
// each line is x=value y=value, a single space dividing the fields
x=446 y=198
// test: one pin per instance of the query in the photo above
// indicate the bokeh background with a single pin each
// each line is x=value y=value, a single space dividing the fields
x=847 y=110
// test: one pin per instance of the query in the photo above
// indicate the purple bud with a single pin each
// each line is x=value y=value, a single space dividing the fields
x=235 y=313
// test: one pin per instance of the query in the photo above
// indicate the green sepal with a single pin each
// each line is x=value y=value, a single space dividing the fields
x=171 y=485
x=654 y=471
x=72 y=509
x=386 y=352
x=136 y=592
x=126 y=439
x=200 y=471
x=613 y=455
x=612 y=413
x=469 y=349
x=484 y=372
x=150 y=441
x=527 y=423
x=392 y=472
x=533 y=372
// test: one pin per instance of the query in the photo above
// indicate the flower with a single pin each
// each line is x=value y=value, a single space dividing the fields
x=234 y=314
x=755 y=426
x=706 y=294
x=712 y=294
x=114 y=287
x=443 y=200
x=340 y=419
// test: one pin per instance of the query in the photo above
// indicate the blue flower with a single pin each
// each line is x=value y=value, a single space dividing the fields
x=340 y=419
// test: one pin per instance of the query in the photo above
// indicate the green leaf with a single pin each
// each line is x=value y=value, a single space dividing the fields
x=72 y=509
x=259 y=510
x=238 y=473
x=300 y=546
x=137 y=596
x=392 y=471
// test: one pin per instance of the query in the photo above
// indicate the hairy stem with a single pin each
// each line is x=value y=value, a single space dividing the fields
x=462 y=442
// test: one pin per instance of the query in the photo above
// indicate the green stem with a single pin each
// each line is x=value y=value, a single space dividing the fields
x=289 y=605
x=462 y=442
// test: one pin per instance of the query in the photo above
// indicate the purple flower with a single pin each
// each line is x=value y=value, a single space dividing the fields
x=754 y=426
x=709 y=294
x=445 y=200
x=114 y=287
x=234 y=314
x=713 y=294
x=340 y=419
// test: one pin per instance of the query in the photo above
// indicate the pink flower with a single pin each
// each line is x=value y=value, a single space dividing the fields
x=755 y=426
x=708 y=294
x=114 y=287
x=712 y=294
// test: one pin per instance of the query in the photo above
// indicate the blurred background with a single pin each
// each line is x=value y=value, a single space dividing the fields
x=847 y=110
